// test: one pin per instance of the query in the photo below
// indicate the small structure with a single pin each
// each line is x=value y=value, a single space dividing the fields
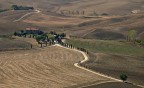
x=135 y=11
x=31 y=30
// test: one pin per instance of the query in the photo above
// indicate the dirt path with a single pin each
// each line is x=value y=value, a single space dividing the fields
x=86 y=59
x=19 y=19
x=94 y=72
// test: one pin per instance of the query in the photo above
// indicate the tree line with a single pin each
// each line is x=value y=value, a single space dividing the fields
x=132 y=37
x=43 y=38
x=80 y=12
x=16 y=7
x=73 y=47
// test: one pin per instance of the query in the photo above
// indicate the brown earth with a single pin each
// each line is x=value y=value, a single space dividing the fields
x=50 y=67
x=112 y=7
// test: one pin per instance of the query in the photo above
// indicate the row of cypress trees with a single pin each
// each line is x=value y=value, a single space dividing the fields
x=73 y=47
x=123 y=77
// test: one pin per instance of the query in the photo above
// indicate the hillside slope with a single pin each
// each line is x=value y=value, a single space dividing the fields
x=50 y=67
x=89 y=6
x=112 y=7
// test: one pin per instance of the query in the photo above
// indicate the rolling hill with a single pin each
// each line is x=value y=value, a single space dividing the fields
x=89 y=6
x=112 y=7
x=53 y=66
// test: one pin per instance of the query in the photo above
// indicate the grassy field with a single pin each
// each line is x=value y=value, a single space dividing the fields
x=113 y=58
x=6 y=43
x=106 y=46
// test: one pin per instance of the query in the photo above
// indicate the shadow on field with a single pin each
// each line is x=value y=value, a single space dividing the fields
x=104 y=34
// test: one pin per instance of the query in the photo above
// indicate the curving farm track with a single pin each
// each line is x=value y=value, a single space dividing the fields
x=27 y=14
x=51 y=67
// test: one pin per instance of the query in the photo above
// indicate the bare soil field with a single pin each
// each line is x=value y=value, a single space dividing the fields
x=51 y=67
x=10 y=16
x=48 y=20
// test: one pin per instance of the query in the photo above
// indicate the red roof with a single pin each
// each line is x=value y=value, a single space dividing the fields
x=32 y=29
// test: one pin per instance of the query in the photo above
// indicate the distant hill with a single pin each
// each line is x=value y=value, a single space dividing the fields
x=89 y=6
x=40 y=4
x=79 y=26
x=115 y=7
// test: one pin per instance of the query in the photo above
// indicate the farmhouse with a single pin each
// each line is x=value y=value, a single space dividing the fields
x=33 y=31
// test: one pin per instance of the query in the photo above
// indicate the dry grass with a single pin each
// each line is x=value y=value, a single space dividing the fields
x=10 y=16
x=8 y=43
x=115 y=24
x=48 y=20
x=115 y=65
x=105 y=6
x=51 y=67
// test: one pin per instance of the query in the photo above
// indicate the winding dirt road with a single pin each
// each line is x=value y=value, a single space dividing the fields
x=19 y=19
x=97 y=73
x=86 y=59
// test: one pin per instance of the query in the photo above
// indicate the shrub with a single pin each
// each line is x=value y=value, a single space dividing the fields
x=123 y=77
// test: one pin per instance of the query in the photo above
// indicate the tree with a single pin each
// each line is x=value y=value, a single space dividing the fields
x=15 y=7
x=15 y=33
x=104 y=14
x=40 y=39
x=31 y=46
x=83 y=12
x=63 y=35
x=61 y=12
x=132 y=35
x=77 y=12
x=123 y=77
x=53 y=32
x=73 y=12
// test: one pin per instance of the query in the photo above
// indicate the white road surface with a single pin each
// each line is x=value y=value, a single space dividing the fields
x=86 y=59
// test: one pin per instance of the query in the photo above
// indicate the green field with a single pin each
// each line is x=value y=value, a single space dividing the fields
x=107 y=46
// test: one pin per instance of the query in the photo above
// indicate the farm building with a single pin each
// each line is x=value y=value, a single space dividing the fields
x=33 y=31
